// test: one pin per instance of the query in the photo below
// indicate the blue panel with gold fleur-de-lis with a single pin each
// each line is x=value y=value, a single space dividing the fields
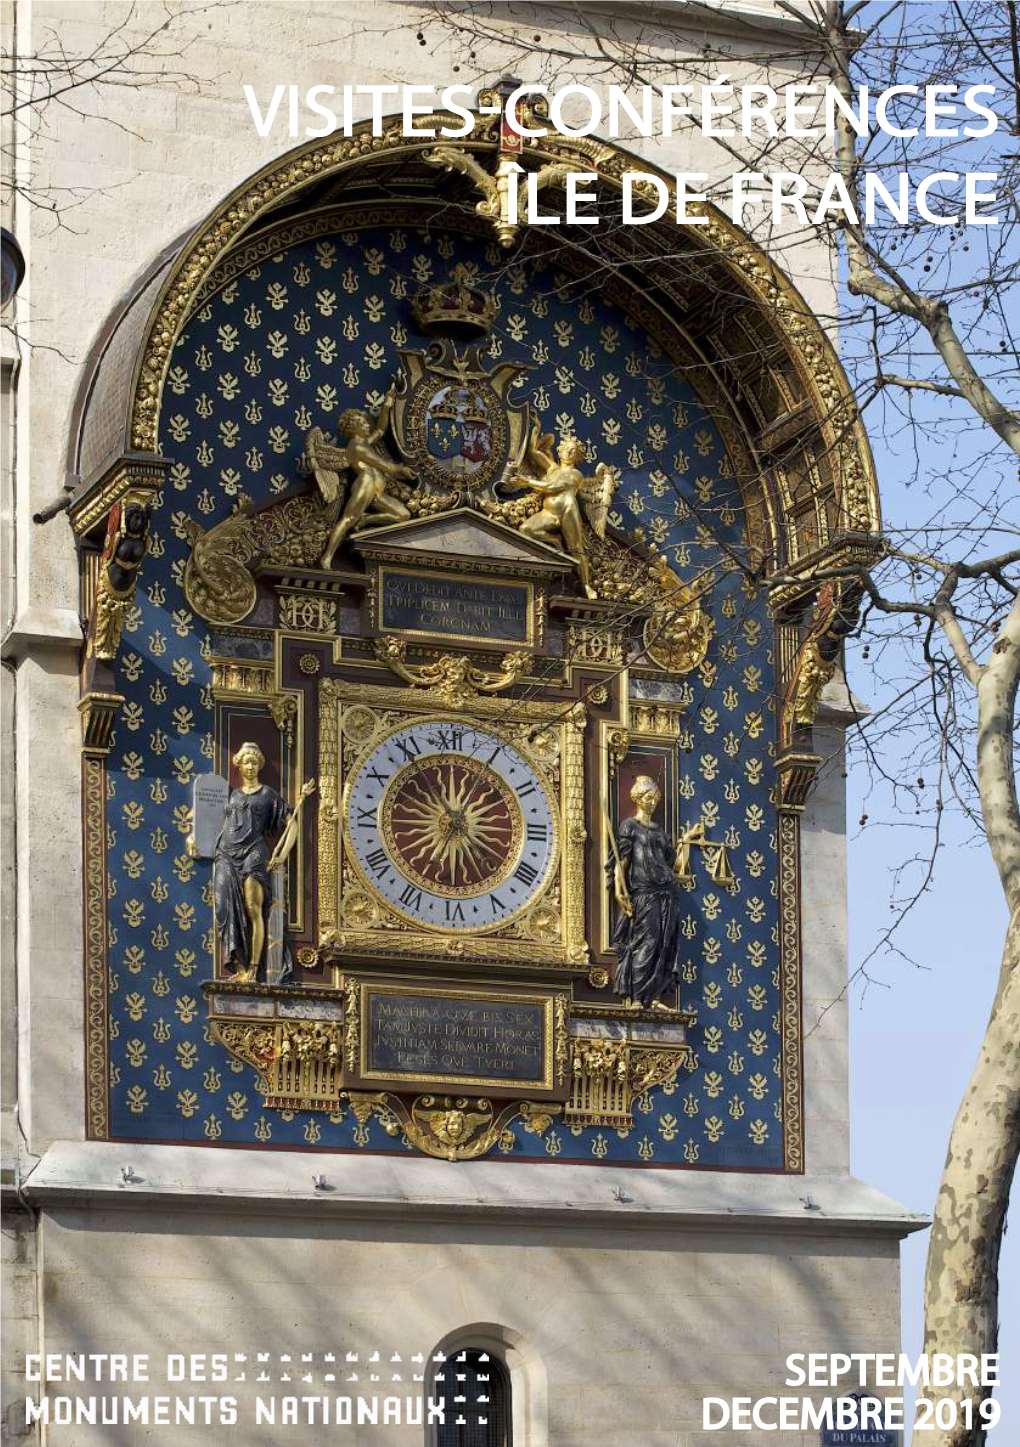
x=284 y=346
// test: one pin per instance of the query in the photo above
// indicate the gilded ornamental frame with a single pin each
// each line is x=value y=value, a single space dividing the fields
x=547 y=935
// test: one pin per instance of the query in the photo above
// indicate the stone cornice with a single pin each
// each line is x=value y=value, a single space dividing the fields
x=529 y=1195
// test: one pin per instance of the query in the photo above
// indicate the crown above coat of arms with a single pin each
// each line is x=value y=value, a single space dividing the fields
x=454 y=307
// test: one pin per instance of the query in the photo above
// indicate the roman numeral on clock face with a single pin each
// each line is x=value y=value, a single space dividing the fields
x=449 y=741
x=526 y=874
x=378 y=862
x=411 y=897
x=366 y=817
x=536 y=833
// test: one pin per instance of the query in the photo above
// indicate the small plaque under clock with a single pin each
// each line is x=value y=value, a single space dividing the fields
x=436 y=1037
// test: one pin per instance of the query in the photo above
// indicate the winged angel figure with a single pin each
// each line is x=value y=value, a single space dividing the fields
x=371 y=467
x=495 y=203
x=560 y=484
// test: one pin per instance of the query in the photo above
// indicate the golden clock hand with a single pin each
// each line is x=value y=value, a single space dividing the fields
x=473 y=825
x=437 y=797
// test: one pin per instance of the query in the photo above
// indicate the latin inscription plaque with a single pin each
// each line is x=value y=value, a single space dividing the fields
x=421 y=1036
x=455 y=607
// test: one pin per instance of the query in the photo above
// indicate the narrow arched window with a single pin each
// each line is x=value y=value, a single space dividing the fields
x=475 y=1393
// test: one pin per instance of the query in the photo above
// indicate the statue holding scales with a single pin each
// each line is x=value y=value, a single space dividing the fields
x=648 y=891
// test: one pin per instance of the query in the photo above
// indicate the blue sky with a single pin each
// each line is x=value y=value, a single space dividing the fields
x=914 y=1041
x=913 y=1046
x=915 y=1037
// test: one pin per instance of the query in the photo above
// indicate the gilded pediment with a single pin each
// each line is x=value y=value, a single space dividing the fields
x=464 y=535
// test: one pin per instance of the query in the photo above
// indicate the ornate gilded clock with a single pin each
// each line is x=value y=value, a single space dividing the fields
x=451 y=825
x=458 y=828
x=486 y=689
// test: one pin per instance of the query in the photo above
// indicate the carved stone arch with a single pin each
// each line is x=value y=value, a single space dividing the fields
x=778 y=393
x=529 y=1383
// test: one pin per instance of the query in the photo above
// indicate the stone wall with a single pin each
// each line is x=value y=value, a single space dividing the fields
x=628 y=1328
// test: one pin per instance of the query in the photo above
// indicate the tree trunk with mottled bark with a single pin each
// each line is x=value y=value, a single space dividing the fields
x=961 y=1278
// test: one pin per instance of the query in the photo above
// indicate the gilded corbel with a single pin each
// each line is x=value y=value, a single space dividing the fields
x=127 y=542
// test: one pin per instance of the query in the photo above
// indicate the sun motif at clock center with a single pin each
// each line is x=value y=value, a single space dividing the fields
x=452 y=825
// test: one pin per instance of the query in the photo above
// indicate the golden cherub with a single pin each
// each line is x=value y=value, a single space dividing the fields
x=561 y=484
x=368 y=499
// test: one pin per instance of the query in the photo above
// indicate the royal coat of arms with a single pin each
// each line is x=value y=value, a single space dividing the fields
x=454 y=418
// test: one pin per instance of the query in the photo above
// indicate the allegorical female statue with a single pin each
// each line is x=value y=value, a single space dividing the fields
x=647 y=936
x=242 y=863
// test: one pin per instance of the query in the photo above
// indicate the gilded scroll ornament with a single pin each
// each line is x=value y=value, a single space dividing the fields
x=450 y=1128
x=617 y=746
x=678 y=631
x=284 y=707
x=216 y=583
x=255 y=1044
x=500 y=199
x=648 y=1068
x=537 y=1118
x=127 y=541
x=454 y=680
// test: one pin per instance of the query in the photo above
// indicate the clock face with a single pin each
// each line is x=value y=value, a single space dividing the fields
x=452 y=825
